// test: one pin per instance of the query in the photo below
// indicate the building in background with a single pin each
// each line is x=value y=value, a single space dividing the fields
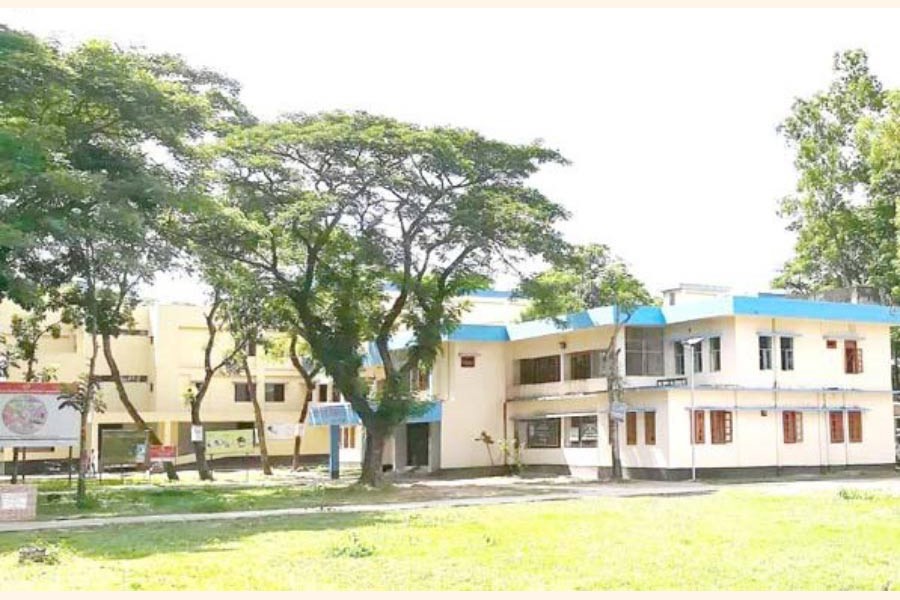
x=715 y=383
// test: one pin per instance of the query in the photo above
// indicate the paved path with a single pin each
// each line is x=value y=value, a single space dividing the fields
x=572 y=494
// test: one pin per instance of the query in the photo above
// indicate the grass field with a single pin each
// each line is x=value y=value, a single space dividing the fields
x=134 y=496
x=734 y=540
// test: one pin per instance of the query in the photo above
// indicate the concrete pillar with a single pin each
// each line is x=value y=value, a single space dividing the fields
x=400 y=447
x=434 y=447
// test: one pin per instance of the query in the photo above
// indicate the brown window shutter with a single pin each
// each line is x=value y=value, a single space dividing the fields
x=698 y=427
x=836 y=423
x=631 y=428
x=650 y=428
x=788 y=427
x=854 y=419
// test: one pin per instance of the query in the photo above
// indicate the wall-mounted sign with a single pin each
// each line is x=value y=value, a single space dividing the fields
x=30 y=416
x=284 y=431
x=617 y=410
x=196 y=433
x=230 y=441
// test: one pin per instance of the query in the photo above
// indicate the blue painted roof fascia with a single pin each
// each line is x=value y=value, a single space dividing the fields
x=770 y=306
x=721 y=306
x=468 y=332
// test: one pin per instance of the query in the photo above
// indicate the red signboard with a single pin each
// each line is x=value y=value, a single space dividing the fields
x=162 y=453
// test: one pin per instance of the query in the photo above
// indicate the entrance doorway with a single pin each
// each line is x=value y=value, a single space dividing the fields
x=417 y=445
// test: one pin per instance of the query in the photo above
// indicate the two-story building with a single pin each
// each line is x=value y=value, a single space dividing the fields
x=714 y=383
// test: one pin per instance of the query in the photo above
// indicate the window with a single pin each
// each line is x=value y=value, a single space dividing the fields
x=698 y=427
x=582 y=432
x=836 y=426
x=786 y=344
x=644 y=351
x=631 y=428
x=418 y=380
x=348 y=437
x=542 y=433
x=544 y=369
x=467 y=361
x=274 y=392
x=854 y=424
x=765 y=353
x=251 y=348
x=853 y=362
x=792 y=423
x=715 y=354
x=720 y=426
x=650 y=428
x=240 y=392
x=335 y=394
x=323 y=392
x=585 y=365
x=831 y=344
x=679 y=358
x=698 y=357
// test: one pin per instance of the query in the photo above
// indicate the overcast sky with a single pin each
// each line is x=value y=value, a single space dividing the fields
x=668 y=117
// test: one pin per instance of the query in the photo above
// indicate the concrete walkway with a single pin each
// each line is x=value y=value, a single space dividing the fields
x=628 y=490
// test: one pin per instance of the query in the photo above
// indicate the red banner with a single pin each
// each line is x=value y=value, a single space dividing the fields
x=15 y=387
x=162 y=453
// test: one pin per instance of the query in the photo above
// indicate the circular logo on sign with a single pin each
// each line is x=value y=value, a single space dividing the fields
x=24 y=415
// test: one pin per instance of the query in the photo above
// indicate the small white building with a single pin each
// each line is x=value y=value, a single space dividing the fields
x=771 y=385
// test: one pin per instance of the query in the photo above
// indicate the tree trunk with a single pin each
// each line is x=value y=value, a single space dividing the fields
x=84 y=453
x=260 y=425
x=200 y=447
x=373 y=457
x=129 y=407
x=304 y=410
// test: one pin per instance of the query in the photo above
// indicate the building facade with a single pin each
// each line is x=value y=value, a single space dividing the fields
x=714 y=384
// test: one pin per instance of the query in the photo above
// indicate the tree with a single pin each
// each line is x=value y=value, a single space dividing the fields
x=580 y=278
x=843 y=211
x=215 y=324
x=84 y=397
x=367 y=225
x=102 y=141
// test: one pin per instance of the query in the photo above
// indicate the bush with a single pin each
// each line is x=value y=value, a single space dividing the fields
x=353 y=549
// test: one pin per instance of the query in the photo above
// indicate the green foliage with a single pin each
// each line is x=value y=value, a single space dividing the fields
x=352 y=548
x=366 y=224
x=25 y=334
x=844 y=208
x=579 y=278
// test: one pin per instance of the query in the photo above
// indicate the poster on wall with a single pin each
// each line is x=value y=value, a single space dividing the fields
x=284 y=431
x=230 y=441
x=30 y=416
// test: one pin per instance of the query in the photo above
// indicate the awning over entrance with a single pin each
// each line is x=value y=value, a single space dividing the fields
x=343 y=414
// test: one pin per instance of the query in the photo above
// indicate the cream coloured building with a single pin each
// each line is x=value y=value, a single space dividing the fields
x=775 y=385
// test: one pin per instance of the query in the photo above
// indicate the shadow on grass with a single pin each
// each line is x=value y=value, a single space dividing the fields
x=118 y=542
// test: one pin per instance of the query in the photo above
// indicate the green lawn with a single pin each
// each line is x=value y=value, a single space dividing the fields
x=134 y=496
x=733 y=540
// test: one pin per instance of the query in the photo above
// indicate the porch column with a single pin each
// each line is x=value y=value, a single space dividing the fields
x=400 y=447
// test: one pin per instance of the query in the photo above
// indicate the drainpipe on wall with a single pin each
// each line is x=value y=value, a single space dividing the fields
x=775 y=366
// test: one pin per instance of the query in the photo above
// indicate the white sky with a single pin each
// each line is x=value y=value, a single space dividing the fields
x=668 y=116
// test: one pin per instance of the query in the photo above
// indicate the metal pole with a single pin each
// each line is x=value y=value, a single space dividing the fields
x=693 y=422
x=334 y=460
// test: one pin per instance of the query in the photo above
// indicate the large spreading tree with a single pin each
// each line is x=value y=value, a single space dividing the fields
x=367 y=225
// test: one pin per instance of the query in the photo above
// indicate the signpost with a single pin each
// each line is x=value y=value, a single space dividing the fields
x=162 y=454
x=122 y=448
x=617 y=411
